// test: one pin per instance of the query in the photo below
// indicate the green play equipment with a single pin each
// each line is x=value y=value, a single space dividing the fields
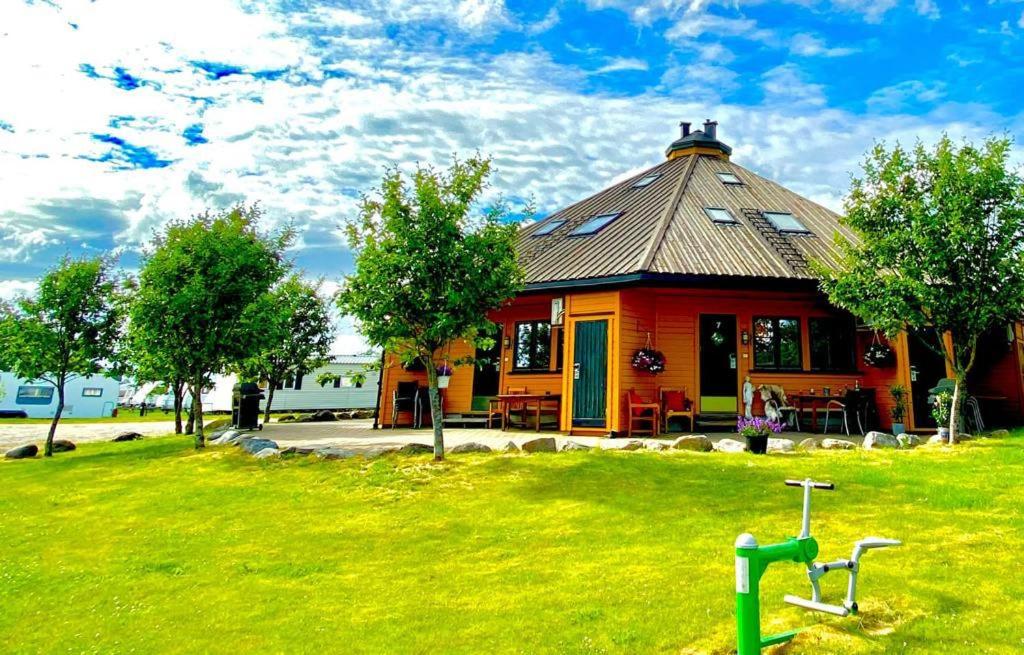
x=752 y=560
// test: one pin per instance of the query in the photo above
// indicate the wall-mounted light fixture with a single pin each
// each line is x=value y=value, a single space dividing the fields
x=745 y=337
x=506 y=342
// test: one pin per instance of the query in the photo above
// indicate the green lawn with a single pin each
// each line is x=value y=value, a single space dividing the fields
x=151 y=547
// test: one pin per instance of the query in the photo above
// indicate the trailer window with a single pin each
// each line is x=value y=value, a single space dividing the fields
x=92 y=392
x=34 y=395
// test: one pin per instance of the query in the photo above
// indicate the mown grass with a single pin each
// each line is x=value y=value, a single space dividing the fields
x=152 y=547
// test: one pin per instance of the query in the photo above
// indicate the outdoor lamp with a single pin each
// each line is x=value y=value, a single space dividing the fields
x=745 y=337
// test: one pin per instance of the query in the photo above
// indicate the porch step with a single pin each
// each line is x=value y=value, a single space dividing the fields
x=718 y=421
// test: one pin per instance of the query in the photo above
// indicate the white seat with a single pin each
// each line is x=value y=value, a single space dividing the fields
x=877 y=542
x=815 y=606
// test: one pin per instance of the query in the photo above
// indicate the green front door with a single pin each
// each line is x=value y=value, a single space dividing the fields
x=590 y=374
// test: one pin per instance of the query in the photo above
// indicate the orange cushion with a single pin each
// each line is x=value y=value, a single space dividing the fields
x=635 y=398
x=675 y=401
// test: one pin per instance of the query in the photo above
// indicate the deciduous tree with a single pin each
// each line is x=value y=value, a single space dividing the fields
x=939 y=249
x=430 y=266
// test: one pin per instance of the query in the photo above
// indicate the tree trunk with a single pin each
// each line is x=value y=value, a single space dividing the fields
x=197 y=413
x=48 y=451
x=179 y=400
x=436 y=415
x=954 y=410
x=190 y=425
x=270 y=399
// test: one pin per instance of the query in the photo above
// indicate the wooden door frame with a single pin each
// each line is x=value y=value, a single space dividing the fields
x=611 y=382
x=696 y=359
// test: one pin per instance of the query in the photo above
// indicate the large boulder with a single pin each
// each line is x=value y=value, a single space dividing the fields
x=228 y=437
x=63 y=446
x=541 y=445
x=838 y=444
x=323 y=415
x=267 y=453
x=938 y=439
x=999 y=434
x=698 y=442
x=335 y=453
x=574 y=445
x=217 y=424
x=298 y=450
x=127 y=436
x=780 y=445
x=23 y=452
x=730 y=446
x=379 y=451
x=416 y=449
x=808 y=444
x=470 y=447
x=874 y=440
x=907 y=440
x=344 y=416
x=633 y=444
x=253 y=445
x=511 y=447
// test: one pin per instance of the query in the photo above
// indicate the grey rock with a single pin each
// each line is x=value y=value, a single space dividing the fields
x=838 y=444
x=938 y=439
x=63 y=446
x=999 y=434
x=288 y=418
x=379 y=451
x=323 y=415
x=363 y=413
x=335 y=453
x=470 y=447
x=267 y=453
x=541 y=445
x=781 y=445
x=229 y=437
x=298 y=450
x=511 y=447
x=303 y=418
x=344 y=416
x=657 y=445
x=573 y=445
x=253 y=445
x=416 y=449
x=127 y=436
x=698 y=442
x=23 y=452
x=874 y=440
x=907 y=440
x=808 y=444
x=964 y=436
x=217 y=424
x=634 y=444
x=730 y=446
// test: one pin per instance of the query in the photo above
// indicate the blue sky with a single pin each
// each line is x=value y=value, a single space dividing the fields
x=118 y=115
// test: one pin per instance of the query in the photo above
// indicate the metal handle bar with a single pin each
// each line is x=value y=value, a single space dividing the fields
x=828 y=486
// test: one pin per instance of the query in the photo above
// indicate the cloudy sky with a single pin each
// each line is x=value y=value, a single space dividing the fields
x=116 y=115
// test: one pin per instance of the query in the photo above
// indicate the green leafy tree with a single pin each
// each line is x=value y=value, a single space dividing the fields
x=69 y=328
x=298 y=333
x=429 y=267
x=197 y=310
x=939 y=249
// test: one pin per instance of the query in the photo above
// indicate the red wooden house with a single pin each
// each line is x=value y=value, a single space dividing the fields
x=708 y=262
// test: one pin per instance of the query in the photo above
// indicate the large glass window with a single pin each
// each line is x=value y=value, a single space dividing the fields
x=92 y=392
x=832 y=345
x=532 y=346
x=34 y=395
x=777 y=343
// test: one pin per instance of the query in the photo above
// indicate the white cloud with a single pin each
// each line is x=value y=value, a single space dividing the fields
x=808 y=45
x=550 y=19
x=12 y=289
x=928 y=9
x=617 y=64
x=785 y=85
x=897 y=96
x=714 y=25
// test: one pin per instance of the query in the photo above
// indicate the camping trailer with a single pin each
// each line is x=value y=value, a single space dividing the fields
x=89 y=397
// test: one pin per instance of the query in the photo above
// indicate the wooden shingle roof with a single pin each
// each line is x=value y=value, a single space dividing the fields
x=664 y=230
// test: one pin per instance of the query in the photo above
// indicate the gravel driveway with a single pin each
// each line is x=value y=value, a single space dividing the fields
x=16 y=434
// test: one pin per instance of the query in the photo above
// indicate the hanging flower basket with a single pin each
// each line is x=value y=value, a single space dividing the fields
x=649 y=360
x=444 y=376
x=879 y=355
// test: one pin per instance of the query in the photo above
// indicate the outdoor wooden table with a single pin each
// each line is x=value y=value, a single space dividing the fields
x=534 y=401
x=803 y=400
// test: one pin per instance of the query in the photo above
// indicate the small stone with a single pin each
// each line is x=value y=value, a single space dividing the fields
x=363 y=414
x=875 y=440
x=907 y=440
x=540 y=445
x=344 y=416
x=964 y=436
x=288 y=418
x=63 y=446
x=634 y=444
x=657 y=445
x=127 y=436
x=298 y=450
x=23 y=452
x=323 y=415
x=838 y=444
x=217 y=424
x=470 y=447
x=511 y=447
x=730 y=446
x=808 y=444
x=781 y=445
x=267 y=453
x=999 y=434
x=379 y=451
x=416 y=449
x=573 y=445
x=698 y=442
x=253 y=445
x=938 y=439
x=335 y=453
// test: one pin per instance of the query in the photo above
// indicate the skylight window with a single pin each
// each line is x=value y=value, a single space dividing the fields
x=548 y=228
x=786 y=222
x=646 y=180
x=729 y=178
x=595 y=224
x=720 y=215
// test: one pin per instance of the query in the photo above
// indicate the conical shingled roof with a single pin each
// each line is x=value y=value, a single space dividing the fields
x=664 y=230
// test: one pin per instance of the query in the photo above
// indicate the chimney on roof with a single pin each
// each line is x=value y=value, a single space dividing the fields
x=711 y=128
x=686 y=128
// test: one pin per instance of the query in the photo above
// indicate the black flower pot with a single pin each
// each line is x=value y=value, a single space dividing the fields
x=758 y=445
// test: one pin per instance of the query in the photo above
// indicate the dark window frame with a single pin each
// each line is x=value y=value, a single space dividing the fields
x=837 y=323
x=92 y=395
x=614 y=216
x=786 y=230
x=652 y=177
x=533 y=344
x=776 y=365
x=717 y=221
x=34 y=399
x=548 y=226
x=738 y=182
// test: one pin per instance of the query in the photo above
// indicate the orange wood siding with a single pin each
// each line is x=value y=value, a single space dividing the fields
x=458 y=397
x=590 y=306
x=637 y=320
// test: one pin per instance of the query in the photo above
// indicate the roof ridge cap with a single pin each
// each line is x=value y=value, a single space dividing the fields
x=666 y=218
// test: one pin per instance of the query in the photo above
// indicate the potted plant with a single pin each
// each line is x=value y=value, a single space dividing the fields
x=756 y=431
x=879 y=355
x=940 y=411
x=444 y=375
x=649 y=360
x=899 y=407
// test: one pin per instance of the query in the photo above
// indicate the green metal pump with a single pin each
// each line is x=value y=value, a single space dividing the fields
x=752 y=560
